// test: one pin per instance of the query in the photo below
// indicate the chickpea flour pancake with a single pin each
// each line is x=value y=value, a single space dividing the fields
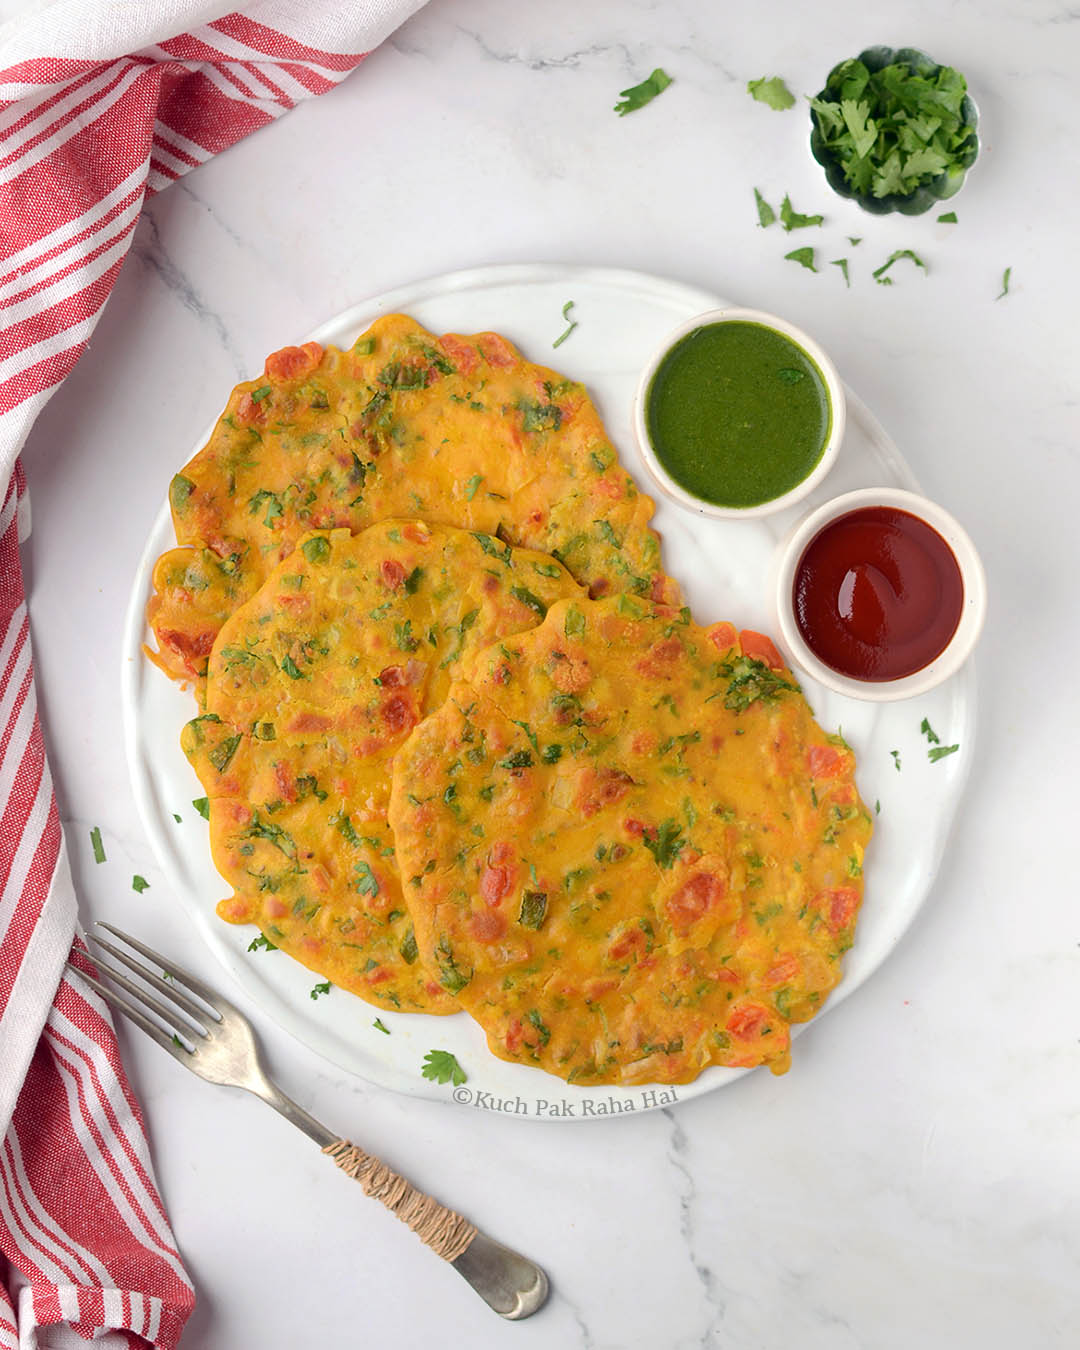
x=457 y=430
x=628 y=848
x=313 y=685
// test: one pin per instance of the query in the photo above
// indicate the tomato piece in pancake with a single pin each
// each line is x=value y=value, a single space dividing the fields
x=313 y=686
x=655 y=865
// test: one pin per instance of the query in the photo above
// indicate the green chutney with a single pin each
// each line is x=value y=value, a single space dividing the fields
x=737 y=413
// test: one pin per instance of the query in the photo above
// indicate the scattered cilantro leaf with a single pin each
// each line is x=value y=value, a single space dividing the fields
x=772 y=92
x=440 y=1066
x=1004 y=283
x=380 y=1026
x=319 y=990
x=877 y=807
x=854 y=240
x=765 y=214
x=937 y=752
x=929 y=732
x=639 y=94
x=879 y=274
x=202 y=805
x=139 y=883
x=97 y=845
x=176 y=817
x=896 y=759
x=949 y=218
x=795 y=220
x=572 y=324
x=178 y=1042
x=261 y=944
x=842 y=264
x=803 y=256
x=471 y=486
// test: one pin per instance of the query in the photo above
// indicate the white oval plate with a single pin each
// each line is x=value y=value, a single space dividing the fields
x=723 y=567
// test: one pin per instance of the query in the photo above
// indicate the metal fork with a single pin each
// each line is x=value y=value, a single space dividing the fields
x=215 y=1040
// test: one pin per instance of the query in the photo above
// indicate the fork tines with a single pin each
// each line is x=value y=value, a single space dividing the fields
x=185 y=1020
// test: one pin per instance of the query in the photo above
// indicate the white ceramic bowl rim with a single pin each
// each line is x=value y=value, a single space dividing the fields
x=972 y=614
x=833 y=384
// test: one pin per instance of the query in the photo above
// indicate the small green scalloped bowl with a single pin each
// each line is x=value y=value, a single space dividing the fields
x=939 y=189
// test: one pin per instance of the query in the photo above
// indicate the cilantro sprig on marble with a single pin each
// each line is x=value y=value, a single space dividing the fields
x=893 y=130
x=772 y=92
x=630 y=100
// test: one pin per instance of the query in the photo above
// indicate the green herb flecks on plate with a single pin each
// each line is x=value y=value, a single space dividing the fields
x=571 y=324
x=440 y=1066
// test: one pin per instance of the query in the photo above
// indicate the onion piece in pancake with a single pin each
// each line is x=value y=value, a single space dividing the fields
x=313 y=685
x=458 y=430
x=656 y=863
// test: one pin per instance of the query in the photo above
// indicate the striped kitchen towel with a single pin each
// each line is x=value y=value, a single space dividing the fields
x=100 y=106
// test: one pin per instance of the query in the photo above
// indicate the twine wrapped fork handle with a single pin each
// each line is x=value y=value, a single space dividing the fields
x=445 y=1231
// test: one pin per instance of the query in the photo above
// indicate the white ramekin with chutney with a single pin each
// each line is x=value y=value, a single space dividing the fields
x=738 y=414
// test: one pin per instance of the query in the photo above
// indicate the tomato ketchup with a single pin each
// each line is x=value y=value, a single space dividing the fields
x=877 y=594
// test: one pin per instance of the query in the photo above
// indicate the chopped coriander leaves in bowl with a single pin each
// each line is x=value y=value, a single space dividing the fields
x=894 y=131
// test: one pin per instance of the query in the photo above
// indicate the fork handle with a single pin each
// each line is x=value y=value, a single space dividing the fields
x=442 y=1229
x=508 y=1282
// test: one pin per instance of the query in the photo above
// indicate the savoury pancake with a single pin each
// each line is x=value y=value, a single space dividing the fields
x=628 y=849
x=313 y=685
x=457 y=430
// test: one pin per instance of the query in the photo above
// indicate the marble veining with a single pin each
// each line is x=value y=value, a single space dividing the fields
x=915 y=1179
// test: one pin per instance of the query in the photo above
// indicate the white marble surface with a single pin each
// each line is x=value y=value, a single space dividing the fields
x=914 y=1179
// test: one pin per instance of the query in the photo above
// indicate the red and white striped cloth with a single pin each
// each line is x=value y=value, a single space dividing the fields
x=100 y=106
